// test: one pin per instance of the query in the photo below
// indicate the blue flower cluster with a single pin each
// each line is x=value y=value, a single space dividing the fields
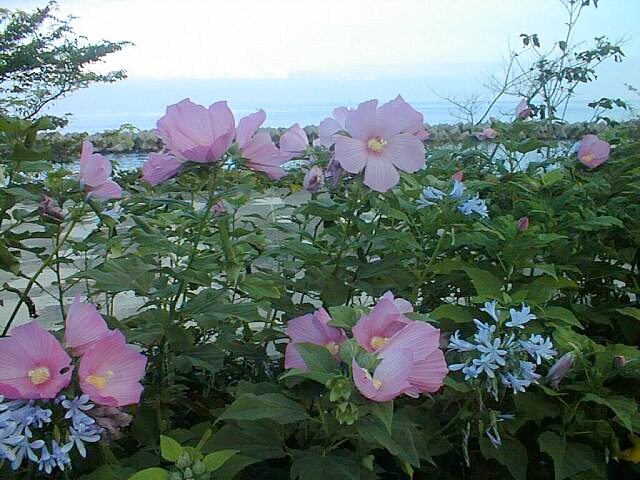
x=500 y=351
x=468 y=206
x=21 y=421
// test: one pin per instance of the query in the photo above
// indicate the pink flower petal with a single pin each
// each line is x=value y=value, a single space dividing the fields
x=159 y=168
x=380 y=174
x=419 y=337
x=94 y=168
x=351 y=153
x=361 y=122
x=294 y=141
x=403 y=306
x=340 y=114
x=405 y=151
x=293 y=359
x=428 y=375
x=247 y=126
x=84 y=325
x=107 y=190
x=363 y=381
x=326 y=130
x=383 y=322
x=395 y=117
x=394 y=371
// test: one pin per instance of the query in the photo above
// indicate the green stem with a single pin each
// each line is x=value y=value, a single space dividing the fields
x=35 y=276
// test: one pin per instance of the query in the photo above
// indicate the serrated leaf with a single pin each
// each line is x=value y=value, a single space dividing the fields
x=624 y=408
x=154 y=473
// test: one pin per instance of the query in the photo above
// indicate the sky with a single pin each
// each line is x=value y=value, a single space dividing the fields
x=282 y=52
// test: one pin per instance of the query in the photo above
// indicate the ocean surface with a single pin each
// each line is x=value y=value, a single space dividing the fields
x=286 y=115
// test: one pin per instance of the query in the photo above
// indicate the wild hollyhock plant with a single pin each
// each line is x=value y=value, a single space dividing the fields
x=95 y=173
x=593 y=152
x=258 y=148
x=194 y=133
x=500 y=351
x=311 y=328
x=380 y=142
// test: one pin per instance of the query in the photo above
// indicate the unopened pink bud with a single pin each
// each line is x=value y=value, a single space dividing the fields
x=619 y=361
x=560 y=369
x=458 y=176
x=523 y=110
x=217 y=209
x=50 y=208
x=314 y=179
x=523 y=224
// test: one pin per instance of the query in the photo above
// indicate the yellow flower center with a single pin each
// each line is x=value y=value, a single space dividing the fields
x=376 y=144
x=376 y=383
x=98 y=381
x=332 y=347
x=588 y=158
x=377 y=342
x=39 y=375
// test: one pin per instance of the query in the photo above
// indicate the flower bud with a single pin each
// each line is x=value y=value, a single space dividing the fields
x=314 y=179
x=188 y=473
x=217 y=209
x=523 y=224
x=486 y=134
x=619 y=361
x=112 y=419
x=184 y=460
x=458 y=176
x=199 y=467
x=49 y=208
x=560 y=369
x=523 y=110
x=175 y=476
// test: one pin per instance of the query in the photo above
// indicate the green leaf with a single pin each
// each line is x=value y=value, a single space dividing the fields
x=569 y=459
x=315 y=466
x=457 y=313
x=259 y=285
x=154 y=473
x=630 y=312
x=564 y=315
x=624 y=408
x=344 y=317
x=384 y=412
x=8 y=261
x=485 y=283
x=169 y=448
x=512 y=454
x=273 y=406
x=215 y=460
x=259 y=439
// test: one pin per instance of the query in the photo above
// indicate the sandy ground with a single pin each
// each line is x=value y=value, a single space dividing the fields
x=47 y=306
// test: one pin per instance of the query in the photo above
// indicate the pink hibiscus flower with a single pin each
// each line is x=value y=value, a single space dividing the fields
x=110 y=371
x=258 y=148
x=593 y=152
x=384 y=320
x=83 y=326
x=33 y=364
x=95 y=171
x=195 y=133
x=381 y=142
x=311 y=328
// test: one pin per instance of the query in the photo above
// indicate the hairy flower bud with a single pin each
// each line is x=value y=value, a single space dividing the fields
x=49 y=208
x=523 y=224
x=314 y=179
x=560 y=369
x=184 y=460
x=458 y=176
x=112 y=419
x=619 y=361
